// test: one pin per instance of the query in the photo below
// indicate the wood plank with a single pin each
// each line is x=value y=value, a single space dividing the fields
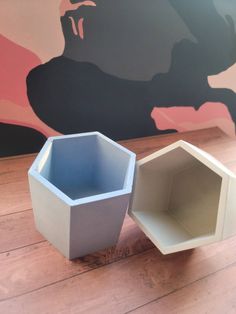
x=11 y=165
x=127 y=284
x=146 y=145
x=232 y=166
x=14 y=189
x=213 y=294
x=15 y=197
x=43 y=259
x=17 y=231
x=223 y=150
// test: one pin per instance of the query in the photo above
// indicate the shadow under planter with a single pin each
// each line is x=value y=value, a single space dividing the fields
x=80 y=186
x=183 y=198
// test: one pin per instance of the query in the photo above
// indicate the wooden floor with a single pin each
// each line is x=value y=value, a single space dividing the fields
x=133 y=277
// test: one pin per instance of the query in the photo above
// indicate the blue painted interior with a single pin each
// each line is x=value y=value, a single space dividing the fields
x=85 y=166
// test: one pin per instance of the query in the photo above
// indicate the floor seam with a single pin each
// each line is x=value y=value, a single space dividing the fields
x=20 y=211
x=21 y=247
x=183 y=287
x=75 y=275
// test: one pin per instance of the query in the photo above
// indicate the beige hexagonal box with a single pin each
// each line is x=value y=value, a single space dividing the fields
x=183 y=198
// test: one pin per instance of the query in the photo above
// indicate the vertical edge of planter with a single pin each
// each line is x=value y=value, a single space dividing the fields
x=51 y=215
x=230 y=214
x=106 y=215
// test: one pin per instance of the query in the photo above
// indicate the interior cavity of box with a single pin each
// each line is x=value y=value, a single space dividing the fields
x=98 y=167
x=177 y=198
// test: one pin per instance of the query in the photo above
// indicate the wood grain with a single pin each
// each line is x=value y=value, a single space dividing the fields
x=17 y=231
x=46 y=265
x=126 y=285
x=146 y=145
x=214 y=293
x=133 y=276
x=14 y=190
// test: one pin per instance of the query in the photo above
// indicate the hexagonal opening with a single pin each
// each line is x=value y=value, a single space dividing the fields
x=176 y=198
x=83 y=166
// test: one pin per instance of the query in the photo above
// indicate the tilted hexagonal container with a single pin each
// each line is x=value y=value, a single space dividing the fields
x=183 y=198
x=80 y=187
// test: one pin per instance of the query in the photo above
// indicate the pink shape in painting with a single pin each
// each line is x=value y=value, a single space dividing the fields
x=187 y=118
x=15 y=64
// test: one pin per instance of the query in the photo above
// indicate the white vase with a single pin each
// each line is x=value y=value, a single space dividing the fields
x=183 y=198
x=80 y=186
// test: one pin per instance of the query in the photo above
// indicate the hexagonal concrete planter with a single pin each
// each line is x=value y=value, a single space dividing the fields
x=80 y=187
x=183 y=198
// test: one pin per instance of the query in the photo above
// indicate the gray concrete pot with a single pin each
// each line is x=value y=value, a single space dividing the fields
x=80 y=187
x=183 y=198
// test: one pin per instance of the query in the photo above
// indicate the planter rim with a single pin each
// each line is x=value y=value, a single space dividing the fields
x=34 y=172
x=205 y=158
x=59 y=137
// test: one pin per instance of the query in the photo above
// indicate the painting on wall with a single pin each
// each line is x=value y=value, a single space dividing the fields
x=126 y=68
